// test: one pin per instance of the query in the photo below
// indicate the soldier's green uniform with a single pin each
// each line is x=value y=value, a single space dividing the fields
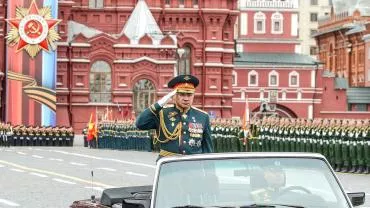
x=179 y=131
x=366 y=135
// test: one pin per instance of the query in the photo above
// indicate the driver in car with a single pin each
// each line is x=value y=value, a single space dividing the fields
x=267 y=186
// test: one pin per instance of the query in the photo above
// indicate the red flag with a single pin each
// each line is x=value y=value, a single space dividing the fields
x=91 y=128
x=246 y=118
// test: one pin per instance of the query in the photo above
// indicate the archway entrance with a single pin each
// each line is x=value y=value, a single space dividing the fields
x=144 y=95
x=277 y=111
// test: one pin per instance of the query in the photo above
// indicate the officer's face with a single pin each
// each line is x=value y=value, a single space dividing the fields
x=184 y=100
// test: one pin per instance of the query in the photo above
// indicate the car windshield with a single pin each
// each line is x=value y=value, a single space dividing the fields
x=304 y=182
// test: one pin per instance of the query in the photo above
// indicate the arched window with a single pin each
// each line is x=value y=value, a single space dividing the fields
x=253 y=79
x=293 y=79
x=259 y=23
x=273 y=79
x=100 y=82
x=277 y=23
x=144 y=95
x=184 y=60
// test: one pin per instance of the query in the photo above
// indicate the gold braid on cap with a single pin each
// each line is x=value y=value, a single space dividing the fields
x=170 y=136
x=185 y=87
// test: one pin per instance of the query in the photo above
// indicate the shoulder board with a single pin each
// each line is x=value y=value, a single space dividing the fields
x=195 y=108
x=169 y=106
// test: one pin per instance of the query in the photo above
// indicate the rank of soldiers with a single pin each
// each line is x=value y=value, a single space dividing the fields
x=345 y=143
x=21 y=135
x=121 y=135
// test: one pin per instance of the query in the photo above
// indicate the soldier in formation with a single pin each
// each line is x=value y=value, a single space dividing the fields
x=345 y=143
x=6 y=133
x=123 y=135
x=21 y=135
x=227 y=135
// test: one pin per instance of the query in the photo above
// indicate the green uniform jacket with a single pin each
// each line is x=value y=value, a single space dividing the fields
x=178 y=132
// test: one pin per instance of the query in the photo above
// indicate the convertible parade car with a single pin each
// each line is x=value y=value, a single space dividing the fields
x=235 y=180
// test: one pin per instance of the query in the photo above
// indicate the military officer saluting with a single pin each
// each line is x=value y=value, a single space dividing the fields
x=181 y=128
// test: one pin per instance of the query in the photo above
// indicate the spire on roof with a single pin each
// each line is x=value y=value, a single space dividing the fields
x=142 y=22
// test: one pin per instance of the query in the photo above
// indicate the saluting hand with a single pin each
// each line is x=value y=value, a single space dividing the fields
x=163 y=101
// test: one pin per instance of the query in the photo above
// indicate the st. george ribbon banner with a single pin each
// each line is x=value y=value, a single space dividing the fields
x=31 y=62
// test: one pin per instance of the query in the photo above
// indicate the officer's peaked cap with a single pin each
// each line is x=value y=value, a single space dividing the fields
x=184 y=83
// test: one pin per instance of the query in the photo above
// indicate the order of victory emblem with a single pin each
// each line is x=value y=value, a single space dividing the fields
x=33 y=29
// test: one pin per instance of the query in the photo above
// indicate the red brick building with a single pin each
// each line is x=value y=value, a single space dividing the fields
x=344 y=46
x=267 y=67
x=118 y=56
x=3 y=29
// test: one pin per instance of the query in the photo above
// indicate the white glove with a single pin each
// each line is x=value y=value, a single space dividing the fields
x=163 y=101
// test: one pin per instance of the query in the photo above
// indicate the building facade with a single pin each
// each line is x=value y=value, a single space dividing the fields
x=344 y=44
x=267 y=65
x=3 y=29
x=310 y=11
x=117 y=56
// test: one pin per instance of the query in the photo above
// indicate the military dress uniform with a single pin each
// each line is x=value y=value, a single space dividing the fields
x=179 y=131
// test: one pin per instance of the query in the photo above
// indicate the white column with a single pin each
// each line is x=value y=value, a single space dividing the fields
x=313 y=78
x=242 y=94
x=310 y=112
x=294 y=24
x=262 y=94
x=299 y=95
x=244 y=23
x=283 y=95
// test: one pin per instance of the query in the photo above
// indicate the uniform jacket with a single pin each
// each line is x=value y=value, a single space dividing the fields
x=178 y=132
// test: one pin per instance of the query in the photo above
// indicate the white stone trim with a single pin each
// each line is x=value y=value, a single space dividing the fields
x=294 y=25
x=81 y=91
x=244 y=23
x=218 y=106
x=259 y=16
x=310 y=112
x=273 y=73
x=267 y=40
x=253 y=72
x=291 y=74
x=278 y=67
x=223 y=50
x=303 y=101
x=235 y=75
x=73 y=60
x=262 y=94
x=120 y=45
x=214 y=64
x=144 y=58
x=228 y=65
x=283 y=94
x=270 y=9
x=239 y=48
x=74 y=44
x=347 y=112
x=277 y=17
x=299 y=94
x=215 y=94
x=270 y=4
x=313 y=78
